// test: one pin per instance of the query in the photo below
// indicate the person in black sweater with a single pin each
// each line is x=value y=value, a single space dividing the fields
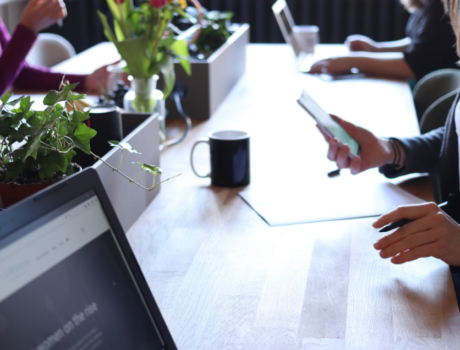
x=429 y=46
x=433 y=232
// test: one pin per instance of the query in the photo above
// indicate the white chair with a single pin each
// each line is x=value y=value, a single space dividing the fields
x=49 y=50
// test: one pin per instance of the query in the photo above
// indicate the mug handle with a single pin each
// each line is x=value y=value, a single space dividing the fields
x=191 y=157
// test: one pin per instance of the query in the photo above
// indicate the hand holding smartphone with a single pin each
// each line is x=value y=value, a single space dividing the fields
x=327 y=123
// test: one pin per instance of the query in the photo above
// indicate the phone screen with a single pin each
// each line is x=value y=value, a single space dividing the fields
x=324 y=119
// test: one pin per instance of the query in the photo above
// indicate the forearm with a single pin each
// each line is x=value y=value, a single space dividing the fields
x=13 y=56
x=419 y=154
x=394 y=46
x=396 y=68
x=41 y=78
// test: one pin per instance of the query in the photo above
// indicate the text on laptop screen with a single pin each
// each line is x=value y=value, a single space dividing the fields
x=64 y=284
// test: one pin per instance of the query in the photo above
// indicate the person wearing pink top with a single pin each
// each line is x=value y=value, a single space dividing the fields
x=15 y=72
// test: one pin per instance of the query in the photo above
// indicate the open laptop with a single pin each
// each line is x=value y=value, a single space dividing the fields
x=305 y=60
x=68 y=277
x=286 y=24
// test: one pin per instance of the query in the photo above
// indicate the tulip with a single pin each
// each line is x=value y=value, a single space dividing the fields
x=158 y=3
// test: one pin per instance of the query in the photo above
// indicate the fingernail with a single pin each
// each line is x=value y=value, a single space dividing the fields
x=377 y=245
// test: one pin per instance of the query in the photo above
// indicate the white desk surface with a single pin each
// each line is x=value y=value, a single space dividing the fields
x=224 y=279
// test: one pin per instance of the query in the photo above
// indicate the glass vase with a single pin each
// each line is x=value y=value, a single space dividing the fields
x=143 y=97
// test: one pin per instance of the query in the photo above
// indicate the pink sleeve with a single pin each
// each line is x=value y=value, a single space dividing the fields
x=41 y=78
x=15 y=71
x=14 y=53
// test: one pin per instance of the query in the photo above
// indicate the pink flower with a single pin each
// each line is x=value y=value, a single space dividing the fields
x=158 y=3
x=119 y=1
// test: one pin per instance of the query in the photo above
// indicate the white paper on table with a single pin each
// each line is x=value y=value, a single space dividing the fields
x=325 y=199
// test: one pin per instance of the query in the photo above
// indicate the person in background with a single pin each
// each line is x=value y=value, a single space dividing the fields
x=433 y=232
x=429 y=46
x=14 y=71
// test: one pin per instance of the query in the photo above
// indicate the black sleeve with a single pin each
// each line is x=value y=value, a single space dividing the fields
x=433 y=40
x=422 y=154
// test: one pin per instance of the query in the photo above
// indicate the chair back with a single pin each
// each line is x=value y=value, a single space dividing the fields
x=435 y=115
x=49 y=50
x=434 y=86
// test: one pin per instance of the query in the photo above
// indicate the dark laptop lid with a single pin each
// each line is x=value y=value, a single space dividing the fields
x=68 y=277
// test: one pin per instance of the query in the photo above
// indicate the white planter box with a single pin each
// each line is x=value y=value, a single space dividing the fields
x=129 y=200
x=212 y=79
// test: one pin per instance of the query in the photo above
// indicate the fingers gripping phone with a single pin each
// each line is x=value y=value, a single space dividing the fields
x=328 y=124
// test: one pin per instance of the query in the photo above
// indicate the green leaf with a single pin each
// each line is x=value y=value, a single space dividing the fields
x=169 y=75
x=25 y=105
x=107 y=30
x=79 y=117
x=134 y=52
x=124 y=146
x=180 y=49
x=54 y=96
x=13 y=170
x=75 y=97
x=62 y=128
x=33 y=120
x=34 y=146
x=6 y=97
x=150 y=168
x=46 y=173
x=115 y=9
x=81 y=137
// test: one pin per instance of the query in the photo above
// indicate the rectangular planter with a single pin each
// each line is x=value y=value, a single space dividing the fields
x=212 y=79
x=129 y=200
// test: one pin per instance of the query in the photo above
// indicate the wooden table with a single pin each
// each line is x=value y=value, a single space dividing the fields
x=224 y=279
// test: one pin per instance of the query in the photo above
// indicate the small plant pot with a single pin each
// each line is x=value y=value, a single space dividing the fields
x=13 y=193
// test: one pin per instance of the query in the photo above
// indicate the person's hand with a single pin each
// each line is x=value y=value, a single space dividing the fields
x=40 y=14
x=375 y=152
x=333 y=65
x=361 y=43
x=433 y=233
x=97 y=81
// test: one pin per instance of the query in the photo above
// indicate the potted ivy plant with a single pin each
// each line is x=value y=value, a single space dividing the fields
x=37 y=147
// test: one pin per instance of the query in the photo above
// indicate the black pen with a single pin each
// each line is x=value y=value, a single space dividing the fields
x=333 y=173
x=403 y=222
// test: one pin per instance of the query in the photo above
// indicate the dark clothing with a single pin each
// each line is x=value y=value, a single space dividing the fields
x=433 y=44
x=434 y=152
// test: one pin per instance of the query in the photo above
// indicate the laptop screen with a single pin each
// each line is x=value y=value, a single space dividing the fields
x=286 y=24
x=65 y=284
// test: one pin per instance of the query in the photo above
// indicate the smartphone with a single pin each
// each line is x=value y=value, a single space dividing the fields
x=330 y=125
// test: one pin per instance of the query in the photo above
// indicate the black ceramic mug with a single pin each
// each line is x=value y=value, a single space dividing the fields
x=229 y=158
x=106 y=120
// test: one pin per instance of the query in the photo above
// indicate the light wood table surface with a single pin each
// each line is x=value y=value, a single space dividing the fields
x=224 y=279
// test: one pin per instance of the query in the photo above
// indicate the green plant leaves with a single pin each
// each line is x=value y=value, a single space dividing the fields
x=42 y=140
x=79 y=117
x=169 y=74
x=134 y=51
x=124 y=146
x=6 y=97
x=54 y=96
x=81 y=137
x=109 y=34
x=13 y=169
x=180 y=49
x=150 y=168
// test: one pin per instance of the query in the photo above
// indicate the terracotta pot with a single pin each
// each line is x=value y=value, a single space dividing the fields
x=11 y=194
